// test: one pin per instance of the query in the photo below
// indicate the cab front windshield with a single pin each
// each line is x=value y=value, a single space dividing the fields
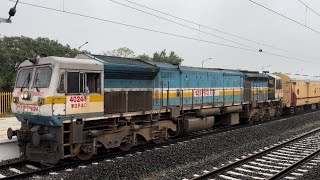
x=24 y=78
x=42 y=77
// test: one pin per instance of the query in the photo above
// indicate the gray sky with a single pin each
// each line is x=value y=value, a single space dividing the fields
x=239 y=17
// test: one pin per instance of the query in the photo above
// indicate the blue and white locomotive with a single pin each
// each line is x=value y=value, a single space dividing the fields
x=73 y=107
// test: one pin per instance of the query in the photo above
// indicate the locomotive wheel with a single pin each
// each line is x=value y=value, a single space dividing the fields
x=85 y=152
x=127 y=143
x=84 y=156
x=125 y=146
x=158 y=141
x=250 y=121
x=262 y=116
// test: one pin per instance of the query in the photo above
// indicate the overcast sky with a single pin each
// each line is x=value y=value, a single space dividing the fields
x=239 y=17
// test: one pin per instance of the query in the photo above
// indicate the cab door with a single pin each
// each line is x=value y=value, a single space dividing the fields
x=76 y=100
x=59 y=101
x=271 y=89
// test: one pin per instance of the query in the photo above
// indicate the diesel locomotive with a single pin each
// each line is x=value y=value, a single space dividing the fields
x=78 y=107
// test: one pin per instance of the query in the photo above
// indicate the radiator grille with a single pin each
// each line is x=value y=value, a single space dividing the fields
x=121 y=101
x=139 y=100
x=114 y=102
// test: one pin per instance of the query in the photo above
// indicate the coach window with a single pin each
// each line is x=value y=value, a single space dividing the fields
x=93 y=83
x=61 y=84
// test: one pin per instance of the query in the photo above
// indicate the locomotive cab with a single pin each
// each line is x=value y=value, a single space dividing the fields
x=48 y=92
x=275 y=87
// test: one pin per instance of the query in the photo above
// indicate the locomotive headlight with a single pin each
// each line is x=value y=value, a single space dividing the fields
x=21 y=96
x=26 y=95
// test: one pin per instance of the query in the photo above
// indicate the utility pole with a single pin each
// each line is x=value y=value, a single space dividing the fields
x=204 y=61
x=12 y=12
x=82 y=45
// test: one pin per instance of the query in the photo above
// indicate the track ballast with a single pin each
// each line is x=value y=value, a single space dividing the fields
x=274 y=162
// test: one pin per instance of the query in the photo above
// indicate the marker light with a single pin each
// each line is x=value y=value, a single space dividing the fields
x=40 y=101
x=15 y=99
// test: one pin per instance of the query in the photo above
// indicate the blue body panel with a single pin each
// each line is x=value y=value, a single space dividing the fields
x=54 y=120
x=42 y=120
x=196 y=79
x=176 y=79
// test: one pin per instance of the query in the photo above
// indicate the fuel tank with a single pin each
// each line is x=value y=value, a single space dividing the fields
x=197 y=124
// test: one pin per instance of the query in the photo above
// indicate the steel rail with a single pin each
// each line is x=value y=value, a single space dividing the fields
x=17 y=163
x=294 y=166
x=258 y=154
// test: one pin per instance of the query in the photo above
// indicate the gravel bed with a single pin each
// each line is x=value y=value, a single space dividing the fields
x=313 y=173
x=184 y=159
x=9 y=161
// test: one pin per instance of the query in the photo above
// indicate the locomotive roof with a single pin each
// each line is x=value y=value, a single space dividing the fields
x=155 y=66
x=255 y=75
x=120 y=67
x=247 y=73
x=227 y=71
x=163 y=64
x=70 y=63
x=120 y=60
x=274 y=76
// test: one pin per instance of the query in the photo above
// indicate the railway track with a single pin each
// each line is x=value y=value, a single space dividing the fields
x=23 y=169
x=286 y=160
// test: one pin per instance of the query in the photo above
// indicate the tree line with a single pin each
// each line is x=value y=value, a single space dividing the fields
x=14 y=50
x=162 y=56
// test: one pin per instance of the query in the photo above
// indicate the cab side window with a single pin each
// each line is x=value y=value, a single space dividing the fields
x=73 y=82
x=61 y=84
x=81 y=82
x=93 y=83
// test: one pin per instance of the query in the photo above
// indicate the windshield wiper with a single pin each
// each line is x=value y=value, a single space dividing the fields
x=36 y=81
x=25 y=81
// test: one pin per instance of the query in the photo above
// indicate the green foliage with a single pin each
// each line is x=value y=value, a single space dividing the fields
x=144 y=57
x=14 y=50
x=121 y=52
x=173 y=58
